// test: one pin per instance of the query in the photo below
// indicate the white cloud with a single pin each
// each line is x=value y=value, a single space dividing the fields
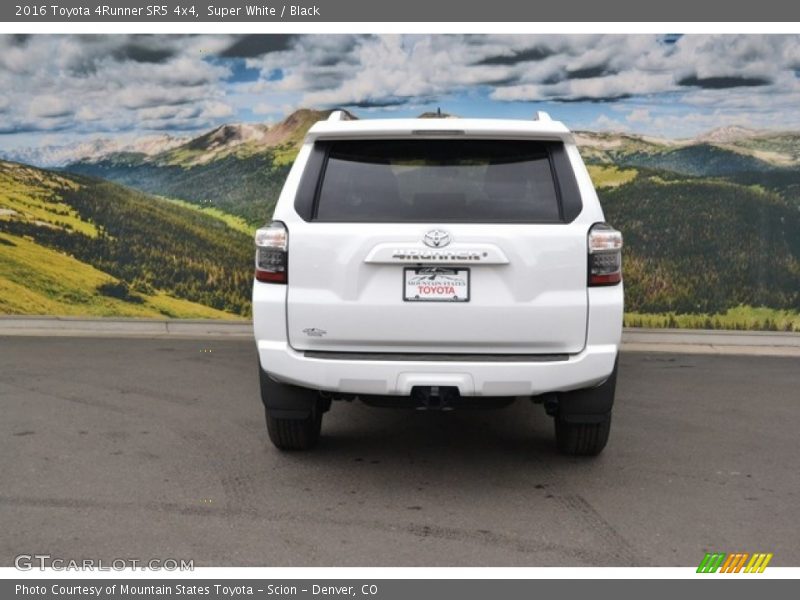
x=216 y=110
x=265 y=108
x=49 y=107
x=638 y=115
x=605 y=123
x=121 y=83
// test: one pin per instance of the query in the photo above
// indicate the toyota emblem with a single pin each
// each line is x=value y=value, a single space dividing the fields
x=436 y=238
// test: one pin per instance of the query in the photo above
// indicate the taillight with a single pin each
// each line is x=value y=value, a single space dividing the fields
x=272 y=253
x=605 y=255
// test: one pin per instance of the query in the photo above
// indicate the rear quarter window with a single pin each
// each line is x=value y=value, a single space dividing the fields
x=455 y=181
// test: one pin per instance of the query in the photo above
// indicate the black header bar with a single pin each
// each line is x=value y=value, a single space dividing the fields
x=440 y=11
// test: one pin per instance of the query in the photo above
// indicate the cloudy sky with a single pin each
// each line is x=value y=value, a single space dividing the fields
x=59 y=89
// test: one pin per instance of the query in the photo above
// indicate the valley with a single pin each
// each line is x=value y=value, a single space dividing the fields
x=711 y=224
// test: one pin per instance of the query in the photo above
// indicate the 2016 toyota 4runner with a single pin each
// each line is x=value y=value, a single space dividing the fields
x=438 y=263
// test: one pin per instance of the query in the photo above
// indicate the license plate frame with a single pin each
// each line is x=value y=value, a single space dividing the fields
x=457 y=278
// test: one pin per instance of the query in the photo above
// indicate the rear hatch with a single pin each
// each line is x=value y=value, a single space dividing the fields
x=438 y=246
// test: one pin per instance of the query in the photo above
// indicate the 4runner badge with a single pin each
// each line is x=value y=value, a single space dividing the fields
x=436 y=238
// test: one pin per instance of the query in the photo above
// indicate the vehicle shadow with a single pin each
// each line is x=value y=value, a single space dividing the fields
x=519 y=436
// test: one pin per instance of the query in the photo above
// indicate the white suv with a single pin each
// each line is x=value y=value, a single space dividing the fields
x=438 y=263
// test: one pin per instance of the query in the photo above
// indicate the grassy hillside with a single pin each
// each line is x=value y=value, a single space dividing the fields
x=740 y=318
x=77 y=245
x=766 y=159
x=41 y=281
x=704 y=160
x=244 y=186
x=705 y=246
x=237 y=169
x=711 y=224
x=610 y=148
x=782 y=148
x=610 y=176
x=232 y=221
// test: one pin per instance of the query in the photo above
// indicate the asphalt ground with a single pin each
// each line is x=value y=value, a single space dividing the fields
x=156 y=448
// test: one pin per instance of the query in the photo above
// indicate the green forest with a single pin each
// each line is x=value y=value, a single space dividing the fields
x=244 y=186
x=148 y=247
x=701 y=246
x=712 y=232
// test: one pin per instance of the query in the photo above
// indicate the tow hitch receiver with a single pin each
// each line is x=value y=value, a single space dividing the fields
x=435 y=397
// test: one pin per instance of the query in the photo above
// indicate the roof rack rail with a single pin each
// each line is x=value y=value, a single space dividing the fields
x=540 y=115
x=339 y=114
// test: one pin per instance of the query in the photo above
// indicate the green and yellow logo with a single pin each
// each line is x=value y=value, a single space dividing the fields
x=738 y=562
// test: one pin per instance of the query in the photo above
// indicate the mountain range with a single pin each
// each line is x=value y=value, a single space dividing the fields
x=779 y=148
x=720 y=151
x=60 y=155
x=240 y=168
x=711 y=223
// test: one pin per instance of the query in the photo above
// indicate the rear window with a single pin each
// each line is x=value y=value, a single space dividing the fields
x=455 y=181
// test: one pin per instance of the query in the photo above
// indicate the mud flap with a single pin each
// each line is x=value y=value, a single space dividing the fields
x=284 y=401
x=589 y=405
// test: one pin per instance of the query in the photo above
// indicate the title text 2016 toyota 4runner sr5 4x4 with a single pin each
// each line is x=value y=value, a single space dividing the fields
x=438 y=263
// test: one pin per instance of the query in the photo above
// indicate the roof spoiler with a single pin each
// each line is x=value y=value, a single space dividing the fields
x=540 y=115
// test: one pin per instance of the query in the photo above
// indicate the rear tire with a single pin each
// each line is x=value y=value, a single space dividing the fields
x=294 y=434
x=582 y=439
x=583 y=418
x=293 y=413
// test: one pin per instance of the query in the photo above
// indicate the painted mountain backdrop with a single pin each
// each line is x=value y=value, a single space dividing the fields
x=161 y=226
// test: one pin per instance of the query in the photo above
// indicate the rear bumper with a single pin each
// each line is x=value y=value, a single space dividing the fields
x=588 y=368
x=386 y=377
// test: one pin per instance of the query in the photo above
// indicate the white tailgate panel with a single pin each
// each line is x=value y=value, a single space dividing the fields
x=527 y=293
